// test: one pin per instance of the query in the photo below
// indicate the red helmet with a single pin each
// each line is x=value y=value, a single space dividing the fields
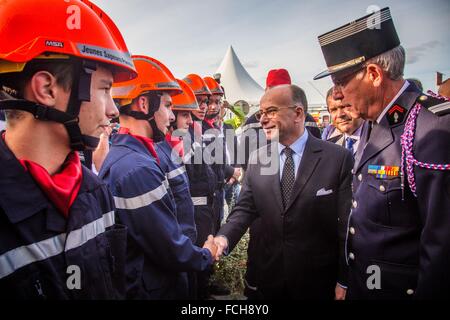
x=153 y=76
x=30 y=29
x=213 y=86
x=75 y=30
x=197 y=84
x=184 y=101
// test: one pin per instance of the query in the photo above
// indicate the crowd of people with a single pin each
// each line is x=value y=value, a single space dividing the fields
x=114 y=173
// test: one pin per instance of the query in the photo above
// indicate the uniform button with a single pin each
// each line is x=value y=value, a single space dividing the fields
x=352 y=230
x=351 y=256
x=360 y=177
x=353 y=171
x=423 y=98
x=410 y=292
x=355 y=204
x=382 y=188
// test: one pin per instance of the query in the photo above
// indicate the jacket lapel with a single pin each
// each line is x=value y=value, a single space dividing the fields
x=310 y=159
x=381 y=135
x=380 y=138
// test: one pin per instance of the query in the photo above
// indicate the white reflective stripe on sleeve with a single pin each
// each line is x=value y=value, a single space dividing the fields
x=17 y=258
x=143 y=200
x=199 y=201
x=166 y=183
x=175 y=173
x=89 y=231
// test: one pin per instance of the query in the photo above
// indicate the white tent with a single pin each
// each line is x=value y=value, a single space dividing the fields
x=238 y=84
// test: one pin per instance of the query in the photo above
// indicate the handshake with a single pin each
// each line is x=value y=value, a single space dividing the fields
x=216 y=245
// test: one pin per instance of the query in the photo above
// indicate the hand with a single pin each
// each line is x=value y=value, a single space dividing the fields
x=339 y=293
x=222 y=244
x=231 y=181
x=226 y=104
x=211 y=246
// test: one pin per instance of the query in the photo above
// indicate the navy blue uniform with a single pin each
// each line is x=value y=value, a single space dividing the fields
x=202 y=184
x=39 y=247
x=214 y=142
x=158 y=253
x=179 y=185
x=409 y=239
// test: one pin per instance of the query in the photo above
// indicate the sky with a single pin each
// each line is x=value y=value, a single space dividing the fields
x=192 y=36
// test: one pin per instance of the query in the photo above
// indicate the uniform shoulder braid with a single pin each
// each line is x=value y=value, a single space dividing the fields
x=408 y=161
x=437 y=104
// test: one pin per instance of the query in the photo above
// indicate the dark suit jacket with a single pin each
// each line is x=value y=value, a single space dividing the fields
x=301 y=248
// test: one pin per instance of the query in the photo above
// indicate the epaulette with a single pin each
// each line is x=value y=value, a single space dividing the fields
x=436 y=104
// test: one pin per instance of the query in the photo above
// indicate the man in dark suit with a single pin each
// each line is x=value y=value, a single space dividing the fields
x=299 y=187
x=399 y=240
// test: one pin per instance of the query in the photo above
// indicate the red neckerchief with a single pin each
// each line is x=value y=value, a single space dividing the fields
x=210 y=122
x=61 y=188
x=147 y=142
x=175 y=143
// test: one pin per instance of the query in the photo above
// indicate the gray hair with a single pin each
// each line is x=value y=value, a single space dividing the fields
x=392 y=62
x=299 y=97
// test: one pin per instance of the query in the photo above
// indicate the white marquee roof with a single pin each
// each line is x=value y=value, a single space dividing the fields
x=238 y=83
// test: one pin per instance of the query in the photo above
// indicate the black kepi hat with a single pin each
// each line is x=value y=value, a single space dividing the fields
x=358 y=41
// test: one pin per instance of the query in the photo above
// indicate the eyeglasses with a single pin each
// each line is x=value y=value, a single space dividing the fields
x=343 y=80
x=271 y=112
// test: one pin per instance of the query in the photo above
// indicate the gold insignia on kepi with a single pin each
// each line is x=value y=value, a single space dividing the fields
x=383 y=172
x=358 y=41
x=396 y=114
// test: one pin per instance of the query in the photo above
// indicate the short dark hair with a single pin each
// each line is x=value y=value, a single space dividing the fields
x=62 y=70
x=13 y=84
x=299 y=96
x=329 y=95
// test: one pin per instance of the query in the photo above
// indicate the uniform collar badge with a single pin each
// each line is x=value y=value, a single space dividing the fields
x=396 y=115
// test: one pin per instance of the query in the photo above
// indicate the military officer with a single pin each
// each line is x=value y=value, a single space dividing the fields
x=398 y=239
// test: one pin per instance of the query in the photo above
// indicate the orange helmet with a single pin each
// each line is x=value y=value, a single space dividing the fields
x=76 y=31
x=31 y=29
x=153 y=76
x=213 y=86
x=197 y=84
x=184 y=101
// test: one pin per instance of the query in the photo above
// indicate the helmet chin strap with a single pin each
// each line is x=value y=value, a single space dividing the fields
x=154 y=104
x=81 y=91
x=212 y=116
x=158 y=135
